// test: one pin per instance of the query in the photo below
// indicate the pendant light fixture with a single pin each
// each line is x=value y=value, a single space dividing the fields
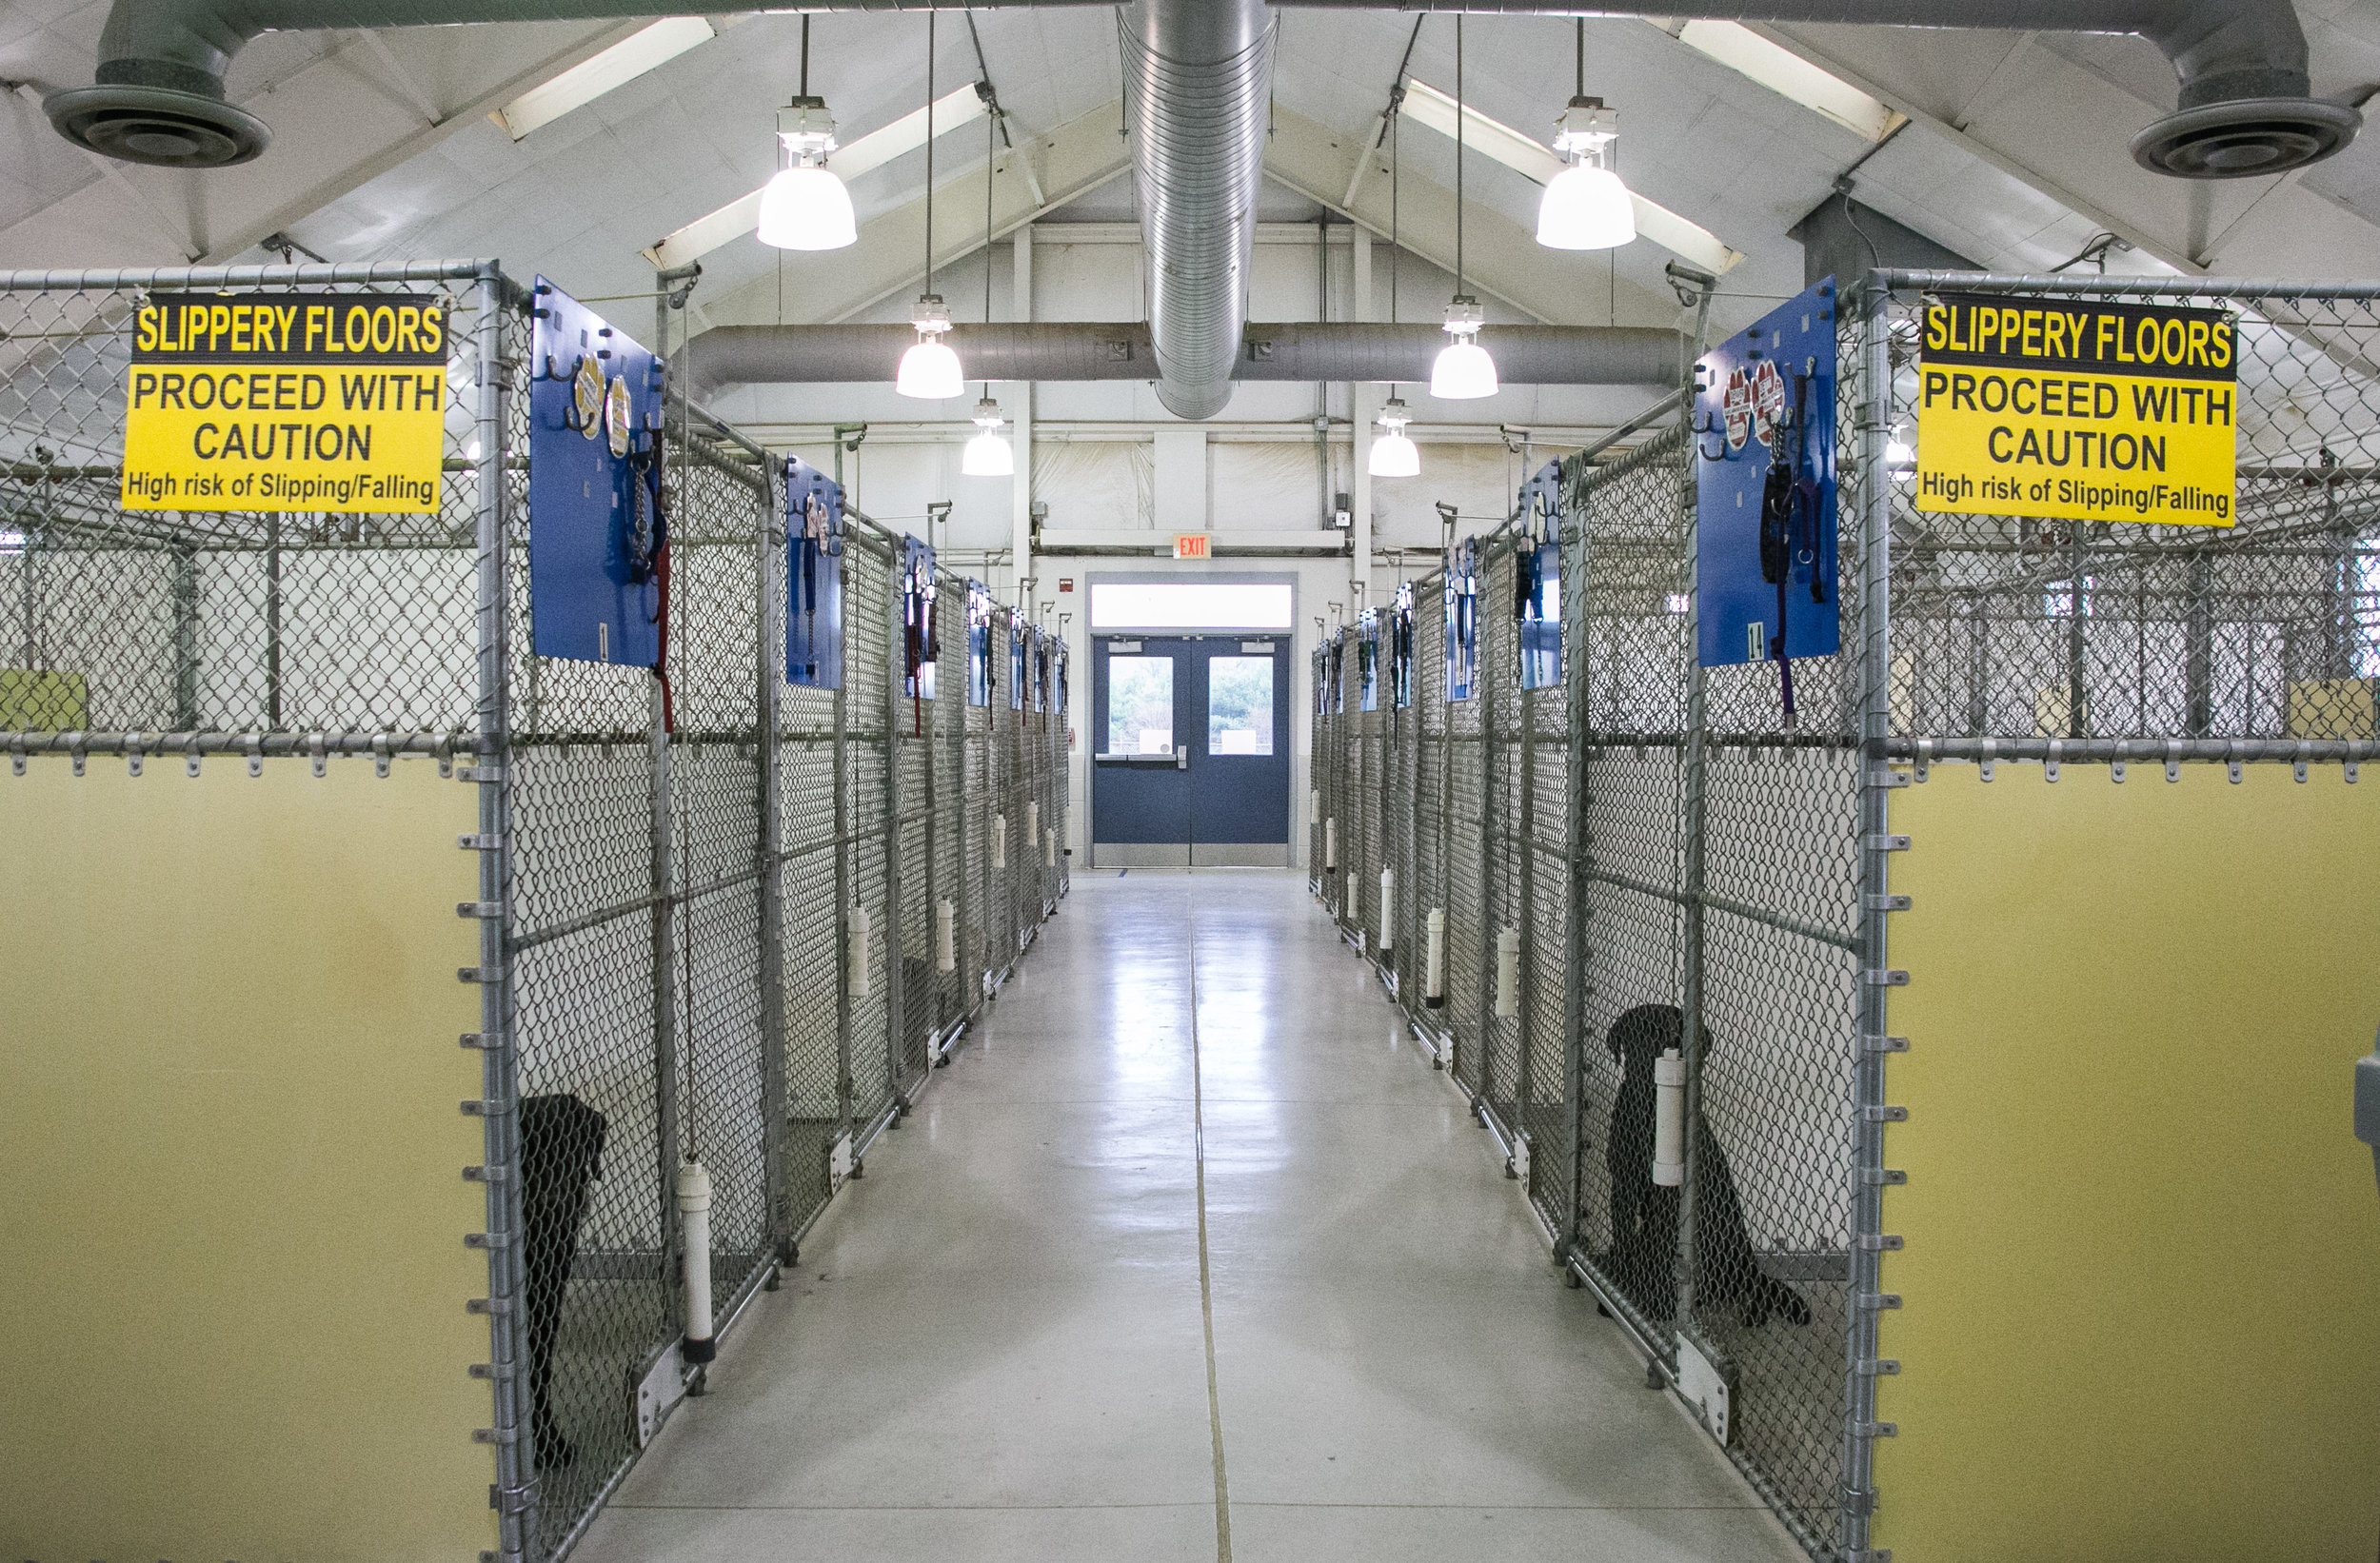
x=930 y=370
x=1463 y=370
x=988 y=455
x=1586 y=206
x=805 y=207
x=1394 y=454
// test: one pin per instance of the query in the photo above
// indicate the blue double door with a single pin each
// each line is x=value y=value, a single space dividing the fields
x=1190 y=751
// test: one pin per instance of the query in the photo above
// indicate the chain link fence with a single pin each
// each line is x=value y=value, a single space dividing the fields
x=667 y=905
x=1686 y=871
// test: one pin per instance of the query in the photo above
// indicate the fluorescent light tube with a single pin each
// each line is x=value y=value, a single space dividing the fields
x=589 y=79
x=1781 y=71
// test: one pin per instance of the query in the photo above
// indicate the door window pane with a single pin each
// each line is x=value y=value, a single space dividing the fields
x=1140 y=705
x=1240 y=706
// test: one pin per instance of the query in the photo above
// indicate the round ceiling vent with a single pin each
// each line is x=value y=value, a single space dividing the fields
x=2246 y=137
x=157 y=124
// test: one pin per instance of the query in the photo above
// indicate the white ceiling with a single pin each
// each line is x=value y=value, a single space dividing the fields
x=383 y=149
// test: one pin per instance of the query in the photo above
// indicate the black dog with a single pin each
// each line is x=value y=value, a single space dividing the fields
x=1642 y=1257
x=562 y=1150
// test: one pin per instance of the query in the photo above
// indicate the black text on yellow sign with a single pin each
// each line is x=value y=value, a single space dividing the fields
x=285 y=402
x=2077 y=409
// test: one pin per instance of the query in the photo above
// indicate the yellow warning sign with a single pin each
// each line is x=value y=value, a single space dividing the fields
x=285 y=402
x=2077 y=409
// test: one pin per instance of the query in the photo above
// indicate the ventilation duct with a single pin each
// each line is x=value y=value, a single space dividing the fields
x=1198 y=96
x=2243 y=107
x=1197 y=79
x=1337 y=352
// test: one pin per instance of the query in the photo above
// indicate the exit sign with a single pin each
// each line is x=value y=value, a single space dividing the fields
x=1192 y=546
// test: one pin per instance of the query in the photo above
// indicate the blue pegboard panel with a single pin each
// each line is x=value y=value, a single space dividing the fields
x=1400 y=646
x=981 y=674
x=814 y=531
x=1463 y=620
x=1764 y=405
x=1537 y=579
x=596 y=539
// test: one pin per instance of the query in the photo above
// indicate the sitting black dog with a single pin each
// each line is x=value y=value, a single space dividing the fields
x=562 y=1150
x=1642 y=1257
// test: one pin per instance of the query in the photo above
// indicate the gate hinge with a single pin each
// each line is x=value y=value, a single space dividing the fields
x=1860 y=1502
x=514 y=1500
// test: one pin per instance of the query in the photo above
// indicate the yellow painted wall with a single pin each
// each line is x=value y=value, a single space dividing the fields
x=233 y=1236
x=2142 y=1280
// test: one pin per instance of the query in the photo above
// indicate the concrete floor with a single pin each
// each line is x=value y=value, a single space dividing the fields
x=1048 y=1326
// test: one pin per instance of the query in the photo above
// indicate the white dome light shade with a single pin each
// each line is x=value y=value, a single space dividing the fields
x=806 y=208
x=1586 y=208
x=1462 y=372
x=930 y=371
x=988 y=456
x=1393 y=455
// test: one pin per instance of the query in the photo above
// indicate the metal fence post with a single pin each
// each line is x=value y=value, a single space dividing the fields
x=663 y=953
x=1874 y=414
x=514 y=1496
x=767 y=550
x=1577 y=709
x=896 y=668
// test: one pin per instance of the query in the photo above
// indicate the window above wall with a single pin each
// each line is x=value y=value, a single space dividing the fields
x=1192 y=604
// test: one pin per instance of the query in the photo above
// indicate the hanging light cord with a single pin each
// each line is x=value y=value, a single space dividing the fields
x=1458 y=153
x=991 y=151
x=929 y=151
x=805 y=54
x=1580 y=91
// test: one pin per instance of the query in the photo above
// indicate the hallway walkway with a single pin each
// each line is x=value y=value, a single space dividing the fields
x=1044 y=1327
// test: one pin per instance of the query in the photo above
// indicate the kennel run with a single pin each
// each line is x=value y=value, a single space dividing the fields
x=294 y=806
x=2008 y=1206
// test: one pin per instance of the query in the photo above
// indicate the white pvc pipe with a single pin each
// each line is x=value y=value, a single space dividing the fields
x=694 y=1227
x=1508 y=974
x=1329 y=845
x=1433 y=961
x=1388 y=910
x=1669 y=1119
x=945 y=937
x=1000 y=841
x=859 y=975
x=1314 y=803
x=1033 y=820
x=1049 y=849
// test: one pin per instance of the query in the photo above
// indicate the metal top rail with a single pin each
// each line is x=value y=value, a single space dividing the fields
x=238 y=276
x=1894 y=280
